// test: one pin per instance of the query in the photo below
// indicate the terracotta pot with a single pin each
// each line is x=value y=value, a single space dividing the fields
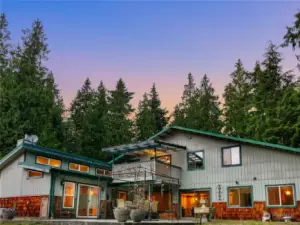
x=121 y=214
x=137 y=215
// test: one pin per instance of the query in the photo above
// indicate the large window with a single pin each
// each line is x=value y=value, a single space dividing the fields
x=195 y=160
x=231 y=156
x=282 y=195
x=240 y=197
x=78 y=167
x=47 y=161
x=69 y=195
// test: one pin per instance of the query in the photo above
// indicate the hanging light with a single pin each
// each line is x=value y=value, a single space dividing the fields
x=288 y=192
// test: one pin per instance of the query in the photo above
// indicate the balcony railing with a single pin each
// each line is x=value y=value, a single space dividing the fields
x=153 y=170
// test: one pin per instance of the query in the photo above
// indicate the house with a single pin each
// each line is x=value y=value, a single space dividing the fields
x=238 y=177
x=41 y=182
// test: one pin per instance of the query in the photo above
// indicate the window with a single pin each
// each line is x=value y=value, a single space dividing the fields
x=78 y=167
x=69 y=193
x=34 y=174
x=231 y=156
x=48 y=161
x=282 y=195
x=240 y=197
x=195 y=160
x=102 y=172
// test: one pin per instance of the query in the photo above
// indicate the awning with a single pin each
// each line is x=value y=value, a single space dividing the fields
x=37 y=167
x=144 y=145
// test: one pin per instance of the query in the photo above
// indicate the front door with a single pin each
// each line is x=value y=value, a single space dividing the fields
x=88 y=197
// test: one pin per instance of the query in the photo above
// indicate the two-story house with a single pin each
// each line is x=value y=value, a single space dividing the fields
x=41 y=182
x=238 y=177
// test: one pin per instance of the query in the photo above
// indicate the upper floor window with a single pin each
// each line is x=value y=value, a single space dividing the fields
x=34 y=174
x=195 y=160
x=231 y=156
x=102 y=172
x=281 y=195
x=78 y=167
x=47 y=161
x=240 y=197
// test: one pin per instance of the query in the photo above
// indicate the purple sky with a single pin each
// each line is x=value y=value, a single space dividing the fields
x=146 y=42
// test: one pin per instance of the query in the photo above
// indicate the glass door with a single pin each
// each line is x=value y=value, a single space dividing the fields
x=88 y=197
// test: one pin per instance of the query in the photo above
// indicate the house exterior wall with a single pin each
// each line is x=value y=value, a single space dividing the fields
x=268 y=166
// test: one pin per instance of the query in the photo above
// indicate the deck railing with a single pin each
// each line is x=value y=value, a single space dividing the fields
x=152 y=170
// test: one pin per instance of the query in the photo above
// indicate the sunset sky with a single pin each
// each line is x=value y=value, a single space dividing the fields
x=145 y=42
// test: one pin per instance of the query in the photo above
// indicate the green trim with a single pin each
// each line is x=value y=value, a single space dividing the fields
x=187 y=159
x=33 y=166
x=222 y=154
x=281 y=206
x=74 y=197
x=239 y=187
x=51 y=194
x=222 y=136
x=35 y=156
x=10 y=154
x=115 y=159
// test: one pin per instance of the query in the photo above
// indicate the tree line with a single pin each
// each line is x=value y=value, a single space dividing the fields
x=262 y=104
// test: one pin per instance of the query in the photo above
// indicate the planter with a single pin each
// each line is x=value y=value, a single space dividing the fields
x=121 y=214
x=7 y=213
x=137 y=215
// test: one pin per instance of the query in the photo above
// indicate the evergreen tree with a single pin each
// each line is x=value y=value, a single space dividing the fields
x=78 y=117
x=237 y=98
x=144 y=120
x=159 y=114
x=205 y=111
x=118 y=124
x=4 y=44
x=292 y=36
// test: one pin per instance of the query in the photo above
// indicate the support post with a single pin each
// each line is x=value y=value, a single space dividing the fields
x=155 y=154
x=51 y=197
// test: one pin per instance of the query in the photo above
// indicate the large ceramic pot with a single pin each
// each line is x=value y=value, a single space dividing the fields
x=7 y=213
x=137 y=215
x=121 y=214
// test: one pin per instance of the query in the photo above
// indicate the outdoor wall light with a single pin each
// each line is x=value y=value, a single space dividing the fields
x=236 y=182
x=254 y=178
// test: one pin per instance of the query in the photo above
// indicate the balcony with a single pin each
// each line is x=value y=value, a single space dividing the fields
x=152 y=170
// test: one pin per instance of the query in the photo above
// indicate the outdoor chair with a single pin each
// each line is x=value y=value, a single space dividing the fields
x=154 y=209
x=120 y=203
x=266 y=217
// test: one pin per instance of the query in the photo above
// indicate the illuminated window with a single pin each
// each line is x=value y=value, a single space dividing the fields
x=240 y=197
x=102 y=172
x=231 y=156
x=34 y=174
x=78 y=167
x=47 y=161
x=282 y=195
x=69 y=193
x=195 y=160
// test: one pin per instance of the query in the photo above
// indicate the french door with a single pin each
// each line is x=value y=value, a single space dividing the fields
x=87 y=203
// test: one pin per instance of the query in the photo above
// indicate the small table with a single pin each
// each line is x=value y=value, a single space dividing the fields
x=287 y=218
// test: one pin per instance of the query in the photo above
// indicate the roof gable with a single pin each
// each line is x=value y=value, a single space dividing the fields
x=225 y=137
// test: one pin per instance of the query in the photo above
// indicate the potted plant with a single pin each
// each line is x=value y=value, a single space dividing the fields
x=121 y=214
x=7 y=213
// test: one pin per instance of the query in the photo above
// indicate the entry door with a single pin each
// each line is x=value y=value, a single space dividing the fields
x=44 y=207
x=88 y=197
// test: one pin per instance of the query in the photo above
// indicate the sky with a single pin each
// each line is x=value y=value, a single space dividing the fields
x=144 y=42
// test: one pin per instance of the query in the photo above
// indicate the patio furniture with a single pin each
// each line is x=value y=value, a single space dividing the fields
x=120 y=203
x=154 y=209
x=287 y=218
x=266 y=217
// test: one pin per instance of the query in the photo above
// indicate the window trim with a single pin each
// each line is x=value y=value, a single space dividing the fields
x=104 y=173
x=39 y=177
x=63 y=195
x=281 y=206
x=79 y=168
x=187 y=160
x=48 y=161
x=222 y=156
x=240 y=207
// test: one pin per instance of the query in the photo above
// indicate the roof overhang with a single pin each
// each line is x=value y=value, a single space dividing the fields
x=144 y=145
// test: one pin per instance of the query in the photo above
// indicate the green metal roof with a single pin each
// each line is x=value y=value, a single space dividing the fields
x=222 y=136
x=50 y=152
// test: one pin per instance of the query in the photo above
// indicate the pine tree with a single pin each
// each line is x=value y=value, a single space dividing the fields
x=118 y=124
x=237 y=98
x=159 y=114
x=205 y=111
x=78 y=117
x=4 y=44
x=144 y=120
x=292 y=36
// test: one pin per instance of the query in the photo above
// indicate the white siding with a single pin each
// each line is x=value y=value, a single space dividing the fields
x=267 y=165
x=14 y=182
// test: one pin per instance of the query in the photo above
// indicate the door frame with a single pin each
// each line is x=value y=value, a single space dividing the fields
x=78 y=196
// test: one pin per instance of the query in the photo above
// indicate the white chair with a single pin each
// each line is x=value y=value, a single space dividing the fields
x=120 y=203
x=266 y=217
